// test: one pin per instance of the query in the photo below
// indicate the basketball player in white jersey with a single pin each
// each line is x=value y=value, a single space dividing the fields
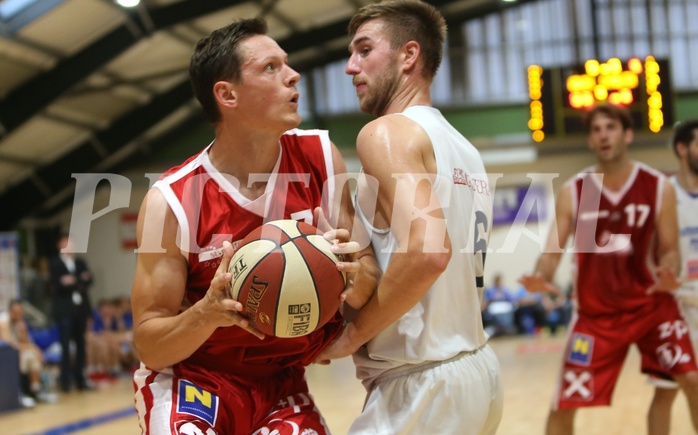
x=418 y=344
x=685 y=143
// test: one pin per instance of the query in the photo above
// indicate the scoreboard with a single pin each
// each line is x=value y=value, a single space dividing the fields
x=559 y=96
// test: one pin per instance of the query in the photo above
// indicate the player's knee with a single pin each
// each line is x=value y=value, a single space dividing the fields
x=688 y=381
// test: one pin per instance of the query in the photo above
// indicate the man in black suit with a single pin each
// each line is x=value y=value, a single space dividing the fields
x=70 y=281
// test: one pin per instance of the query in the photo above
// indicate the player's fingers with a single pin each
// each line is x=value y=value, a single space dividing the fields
x=552 y=289
x=322 y=362
x=337 y=235
x=232 y=305
x=245 y=324
x=349 y=266
x=346 y=247
x=226 y=255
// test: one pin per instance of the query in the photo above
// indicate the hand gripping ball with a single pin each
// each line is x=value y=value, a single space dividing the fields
x=286 y=278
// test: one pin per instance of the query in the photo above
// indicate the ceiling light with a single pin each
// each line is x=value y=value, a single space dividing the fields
x=128 y=3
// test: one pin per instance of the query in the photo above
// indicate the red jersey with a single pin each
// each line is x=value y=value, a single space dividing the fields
x=615 y=241
x=210 y=210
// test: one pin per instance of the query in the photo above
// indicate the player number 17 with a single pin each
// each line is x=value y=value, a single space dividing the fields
x=637 y=214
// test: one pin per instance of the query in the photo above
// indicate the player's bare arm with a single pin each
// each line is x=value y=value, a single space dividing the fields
x=544 y=275
x=389 y=147
x=363 y=269
x=162 y=334
x=667 y=243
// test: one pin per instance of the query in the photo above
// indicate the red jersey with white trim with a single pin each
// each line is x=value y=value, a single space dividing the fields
x=615 y=241
x=210 y=210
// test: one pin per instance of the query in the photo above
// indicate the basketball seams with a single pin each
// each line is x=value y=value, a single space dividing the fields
x=286 y=287
x=278 y=299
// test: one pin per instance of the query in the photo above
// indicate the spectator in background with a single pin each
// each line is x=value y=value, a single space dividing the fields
x=127 y=351
x=15 y=331
x=70 y=283
x=529 y=314
x=103 y=361
x=498 y=308
x=34 y=290
x=557 y=311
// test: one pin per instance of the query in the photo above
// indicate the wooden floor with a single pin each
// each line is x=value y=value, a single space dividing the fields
x=529 y=366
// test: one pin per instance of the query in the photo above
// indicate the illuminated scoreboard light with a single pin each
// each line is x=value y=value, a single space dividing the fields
x=559 y=96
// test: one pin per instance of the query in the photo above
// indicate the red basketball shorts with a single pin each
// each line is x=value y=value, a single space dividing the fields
x=191 y=401
x=597 y=347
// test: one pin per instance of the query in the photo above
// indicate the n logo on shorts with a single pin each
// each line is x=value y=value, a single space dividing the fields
x=195 y=401
x=581 y=349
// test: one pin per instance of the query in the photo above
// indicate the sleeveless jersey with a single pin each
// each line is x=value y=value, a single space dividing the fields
x=447 y=320
x=210 y=210
x=687 y=208
x=615 y=241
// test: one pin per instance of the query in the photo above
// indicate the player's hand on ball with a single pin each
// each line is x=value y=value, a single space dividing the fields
x=344 y=247
x=217 y=304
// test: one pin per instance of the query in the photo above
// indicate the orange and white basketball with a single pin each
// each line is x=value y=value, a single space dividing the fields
x=286 y=277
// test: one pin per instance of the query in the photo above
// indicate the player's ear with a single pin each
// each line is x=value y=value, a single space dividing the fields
x=410 y=55
x=629 y=136
x=225 y=94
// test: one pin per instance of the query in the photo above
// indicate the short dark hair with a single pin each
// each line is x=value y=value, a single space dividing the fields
x=216 y=57
x=612 y=111
x=408 y=20
x=684 y=133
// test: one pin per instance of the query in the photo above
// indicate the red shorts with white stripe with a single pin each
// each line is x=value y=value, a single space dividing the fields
x=597 y=347
x=190 y=401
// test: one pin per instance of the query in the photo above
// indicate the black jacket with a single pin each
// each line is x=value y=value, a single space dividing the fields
x=63 y=299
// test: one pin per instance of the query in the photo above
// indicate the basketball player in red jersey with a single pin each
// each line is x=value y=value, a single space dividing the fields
x=204 y=369
x=623 y=215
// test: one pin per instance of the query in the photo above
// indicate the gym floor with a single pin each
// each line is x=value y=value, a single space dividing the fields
x=529 y=367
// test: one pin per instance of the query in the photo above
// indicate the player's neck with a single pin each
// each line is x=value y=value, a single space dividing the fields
x=615 y=172
x=408 y=97
x=242 y=152
x=688 y=180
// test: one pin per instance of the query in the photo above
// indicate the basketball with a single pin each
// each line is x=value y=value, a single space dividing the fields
x=286 y=278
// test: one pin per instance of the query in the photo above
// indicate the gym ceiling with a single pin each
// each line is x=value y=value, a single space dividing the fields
x=91 y=86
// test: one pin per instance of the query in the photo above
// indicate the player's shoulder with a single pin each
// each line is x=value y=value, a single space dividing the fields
x=647 y=169
x=393 y=133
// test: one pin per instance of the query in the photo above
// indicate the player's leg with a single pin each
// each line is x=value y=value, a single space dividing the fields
x=592 y=362
x=191 y=403
x=659 y=414
x=294 y=414
x=689 y=385
x=462 y=395
x=667 y=352
x=560 y=422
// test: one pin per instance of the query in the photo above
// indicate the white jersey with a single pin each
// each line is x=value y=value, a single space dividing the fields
x=447 y=320
x=687 y=208
x=687 y=295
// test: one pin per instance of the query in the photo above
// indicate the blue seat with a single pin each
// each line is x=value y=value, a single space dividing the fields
x=48 y=341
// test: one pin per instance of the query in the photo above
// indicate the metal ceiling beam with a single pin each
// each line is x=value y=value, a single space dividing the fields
x=31 y=97
x=141 y=154
x=27 y=196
